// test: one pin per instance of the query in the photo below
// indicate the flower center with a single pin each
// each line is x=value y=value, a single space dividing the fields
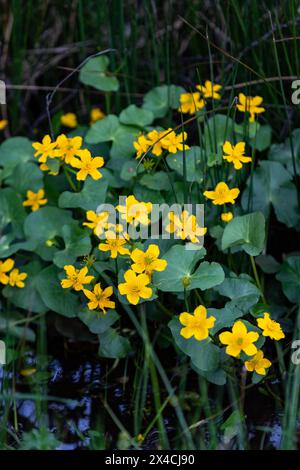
x=240 y=341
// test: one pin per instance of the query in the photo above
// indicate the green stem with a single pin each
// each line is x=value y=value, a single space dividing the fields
x=257 y=278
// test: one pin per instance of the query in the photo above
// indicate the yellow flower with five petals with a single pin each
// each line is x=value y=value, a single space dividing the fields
x=147 y=261
x=115 y=244
x=134 y=211
x=210 y=90
x=35 y=200
x=87 y=165
x=239 y=339
x=250 y=104
x=96 y=222
x=196 y=325
x=68 y=147
x=190 y=103
x=258 y=363
x=76 y=278
x=45 y=149
x=16 y=278
x=270 y=327
x=235 y=154
x=222 y=194
x=185 y=226
x=135 y=287
x=100 y=298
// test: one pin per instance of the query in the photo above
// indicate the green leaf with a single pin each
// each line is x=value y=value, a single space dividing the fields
x=110 y=129
x=134 y=116
x=161 y=98
x=283 y=152
x=204 y=355
x=11 y=211
x=60 y=300
x=181 y=263
x=77 y=243
x=113 y=345
x=94 y=73
x=289 y=276
x=246 y=231
x=159 y=181
x=98 y=322
x=207 y=275
x=243 y=294
x=92 y=195
x=270 y=184
x=179 y=273
x=25 y=176
x=267 y=264
x=129 y=170
x=192 y=160
x=28 y=297
x=46 y=224
x=262 y=140
x=14 y=151
x=241 y=291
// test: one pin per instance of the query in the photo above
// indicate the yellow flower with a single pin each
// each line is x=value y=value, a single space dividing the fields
x=209 y=90
x=239 y=340
x=173 y=142
x=96 y=114
x=147 y=261
x=87 y=165
x=35 y=200
x=16 y=278
x=135 y=212
x=97 y=222
x=185 y=226
x=69 y=120
x=5 y=267
x=235 y=154
x=227 y=216
x=141 y=146
x=155 y=141
x=44 y=149
x=67 y=147
x=76 y=278
x=99 y=298
x=135 y=287
x=190 y=103
x=222 y=194
x=3 y=124
x=115 y=244
x=258 y=363
x=196 y=324
x=250 y=104
x=270 y=327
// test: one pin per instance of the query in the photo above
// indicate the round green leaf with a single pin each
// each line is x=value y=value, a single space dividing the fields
x=247 y=232
x=94 y=73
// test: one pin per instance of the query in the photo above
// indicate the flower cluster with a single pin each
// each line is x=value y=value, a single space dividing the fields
x=159 y=141
x=185 y=226
x=68 y=150
x=241 y=340
x=10 y=275
x=77 y=279
x=190 y=103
